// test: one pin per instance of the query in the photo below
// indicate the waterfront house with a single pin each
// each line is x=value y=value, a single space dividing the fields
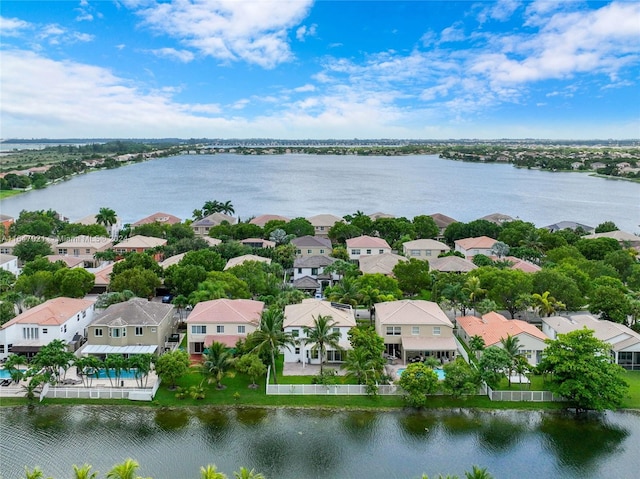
x=424 y=249
x=113 y=229
x=415 y=328
x=137 y=326
x=202 y=227
x=6 y=221
x=84 y=247
x=381 y=263
x=69 y=261
x=377 y=215
x=58 y=318
x=140 y=244
x=621 y=237
x=493 y=327
x=299 y=316
x=323 y=223
x=624 y=341
x=238 y=260
x=470 y=247
x=222 y=320
x=366 y=246
x=568 y=225
x=102 y=278
x=497 y=218
x=312 y=246
x=171 y=260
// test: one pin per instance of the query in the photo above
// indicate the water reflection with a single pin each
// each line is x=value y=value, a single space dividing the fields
x=360 y=426
x=251 y=416
x=170 y=419
x=418 y=424
x=582 y=443
x=215 y=423
x=501 y=433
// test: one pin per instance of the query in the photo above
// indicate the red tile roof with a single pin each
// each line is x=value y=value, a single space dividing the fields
x=493 y=327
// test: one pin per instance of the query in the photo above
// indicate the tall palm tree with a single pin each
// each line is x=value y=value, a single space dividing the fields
x=321 y=335
x=345 y=292
x=476 y=344
x=478 y=473
x=35 y=474
x=211 y=207
x=83 y=472
x=368 y=296
x=245 y=473
x=227 y=207
x=511 y=345
x=217 y=361
x=106 y=217
x=473 y=290
x=270 y=338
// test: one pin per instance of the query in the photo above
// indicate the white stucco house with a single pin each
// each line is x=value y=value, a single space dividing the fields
x=299 y=316
x=59 y=318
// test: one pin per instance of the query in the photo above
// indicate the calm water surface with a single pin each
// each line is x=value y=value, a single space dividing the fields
x=305 y=185
x=297 y=444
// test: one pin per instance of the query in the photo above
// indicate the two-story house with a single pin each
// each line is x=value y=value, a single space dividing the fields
x=159 y=217
x=312 y=246
x=494 y=327
x=84 y=247
x=415 y=329
x=203 y=226
x=223 y=321
x=262 y=220
x=59 y=318
x=140 y=244
x=366 y=246
x=297 y=317
x=424 y=249
x=137 y=326
x=470 y=247
x=8 y=246
x=323 y=223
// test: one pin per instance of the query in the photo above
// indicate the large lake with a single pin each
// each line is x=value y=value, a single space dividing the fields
x=305 y=185
x=308 y=444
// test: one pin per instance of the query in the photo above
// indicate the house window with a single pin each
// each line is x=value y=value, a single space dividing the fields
x=314 y=271
x=436 y=330
x=77 y=317
x=299 y=270
x=241 y=329
x=1 y=348
x=297 y=350
x=298 y=251
x=394 y=330
x=355 y=251
x=138 y=330
x=380 y=251
x=76 y=252
x=97 y=332
x=29 y=333
x=65 y=328
x=87 y=251
x=219 y=329
x=321 y=251
x=309 y=251
x=45 y=330
x=62 y=251
x=198 y=348
x=336 y=330
x=368 y=251
x=295 y=333
x=415 y=330
x=625 y=357
x=114 y=332
x=427 y=252
x=199 y=329
x=84 y=314
x=415 y=252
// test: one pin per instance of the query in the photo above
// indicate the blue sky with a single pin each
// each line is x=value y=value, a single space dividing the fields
x=320 y=69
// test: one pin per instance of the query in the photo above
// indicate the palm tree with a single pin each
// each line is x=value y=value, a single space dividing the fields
x=114 y=364
x=83 y=472
x=88 y=367
x=546 y=304
x=321 y=335
x=270 y=338
x=11 y=366
x=227 y=208
x=478 y=473
x=211 y=207
x=141 y=363
x=473 y=290
x=211 y=472
x=124 y=470
x=217 y=361
x=106 y=217
x=476 y=344
x=368 y=296
x=345 y=292
x=360 y=365
x=511 y=344
x=245 y=473
x=35 y=474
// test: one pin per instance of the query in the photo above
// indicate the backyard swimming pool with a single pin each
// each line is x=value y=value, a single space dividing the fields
x=124 y=374
x=4 y=374
x=438 y=371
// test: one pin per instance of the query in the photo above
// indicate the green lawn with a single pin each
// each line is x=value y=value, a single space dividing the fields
x=633 y=401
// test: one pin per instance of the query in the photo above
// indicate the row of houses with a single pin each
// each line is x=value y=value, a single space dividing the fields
x=411 y=329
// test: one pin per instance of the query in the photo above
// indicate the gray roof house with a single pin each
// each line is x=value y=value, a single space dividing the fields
x=136 y=326
x=312 y=245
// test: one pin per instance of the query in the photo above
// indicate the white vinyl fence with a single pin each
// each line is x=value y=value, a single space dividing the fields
x=331 y=390
x=527 y=396
x=133 y=394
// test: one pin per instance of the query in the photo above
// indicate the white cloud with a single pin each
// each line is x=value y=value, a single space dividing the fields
x=240 y=104
x=500 y=10
x=454 y=33
x=254 y=32
x=54 y=34
x=305 y=88
x=12 y=27
x=184 y=56
x=304 y=32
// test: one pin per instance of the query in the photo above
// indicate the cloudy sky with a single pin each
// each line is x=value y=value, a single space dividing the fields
x=295 y=69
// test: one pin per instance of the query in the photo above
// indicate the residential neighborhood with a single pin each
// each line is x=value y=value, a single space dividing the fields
x=308 y=291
